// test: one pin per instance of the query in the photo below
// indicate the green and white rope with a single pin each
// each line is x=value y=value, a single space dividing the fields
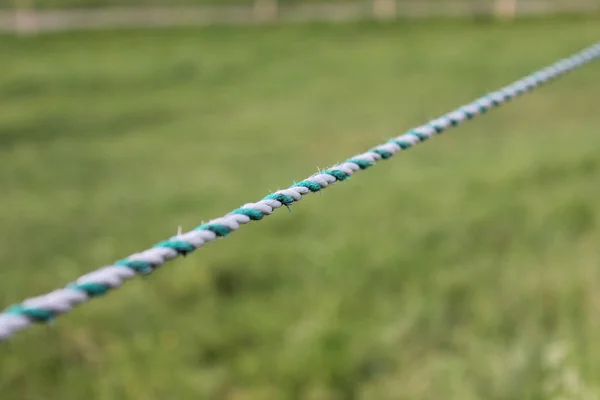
x=45 y=308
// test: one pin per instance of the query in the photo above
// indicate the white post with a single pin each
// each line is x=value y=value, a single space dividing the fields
x=384 y=9
x=266 y=10
x=25 y=19
x=505 y=9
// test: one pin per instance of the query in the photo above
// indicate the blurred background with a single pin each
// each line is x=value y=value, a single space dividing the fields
x=33 y=15
x=465 y=268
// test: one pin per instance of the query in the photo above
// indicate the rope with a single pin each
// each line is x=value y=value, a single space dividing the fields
x=45 y=308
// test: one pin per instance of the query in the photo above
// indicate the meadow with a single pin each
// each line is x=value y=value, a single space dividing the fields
x=465 y=268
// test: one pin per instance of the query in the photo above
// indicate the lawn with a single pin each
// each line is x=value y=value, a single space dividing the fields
x=465 y=268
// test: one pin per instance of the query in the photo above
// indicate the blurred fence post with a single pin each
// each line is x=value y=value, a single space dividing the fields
x=25 y=17
x=384 y=9
x=266 y=10
x=505 y=9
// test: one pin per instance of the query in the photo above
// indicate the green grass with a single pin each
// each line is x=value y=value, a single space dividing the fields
x=452 y=271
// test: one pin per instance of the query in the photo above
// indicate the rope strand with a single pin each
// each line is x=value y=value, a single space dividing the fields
x=47 y=307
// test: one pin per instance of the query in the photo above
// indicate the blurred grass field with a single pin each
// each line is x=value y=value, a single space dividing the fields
x=466 y=268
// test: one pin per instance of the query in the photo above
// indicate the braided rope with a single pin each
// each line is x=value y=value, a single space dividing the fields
x=45 y=308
